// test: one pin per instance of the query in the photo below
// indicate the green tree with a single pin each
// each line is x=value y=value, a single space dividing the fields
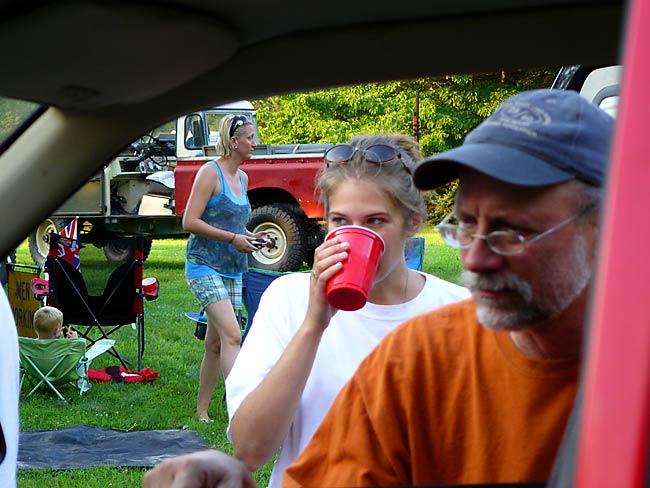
x=450 y=106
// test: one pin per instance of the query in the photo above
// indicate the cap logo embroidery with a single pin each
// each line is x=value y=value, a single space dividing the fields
x=520 y=116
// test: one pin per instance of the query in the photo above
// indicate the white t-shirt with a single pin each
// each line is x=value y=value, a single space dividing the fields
x=348 y=339
x=8 y=392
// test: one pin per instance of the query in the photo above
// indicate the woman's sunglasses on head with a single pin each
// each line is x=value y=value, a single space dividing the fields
x=238 y=121
x=375 y=154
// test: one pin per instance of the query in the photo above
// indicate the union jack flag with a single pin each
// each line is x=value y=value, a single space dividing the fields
x=69 y=248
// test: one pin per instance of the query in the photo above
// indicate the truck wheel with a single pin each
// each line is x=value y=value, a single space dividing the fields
x=317 y=234
x=38 y=246
x=290 y=249
x=121 y=251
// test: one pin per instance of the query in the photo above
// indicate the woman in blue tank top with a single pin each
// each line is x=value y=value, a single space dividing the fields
x=215 y=217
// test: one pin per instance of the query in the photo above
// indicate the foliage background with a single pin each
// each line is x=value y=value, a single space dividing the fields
x=449 y=107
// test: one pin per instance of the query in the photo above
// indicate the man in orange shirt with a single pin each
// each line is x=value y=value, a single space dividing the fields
x=478 y=391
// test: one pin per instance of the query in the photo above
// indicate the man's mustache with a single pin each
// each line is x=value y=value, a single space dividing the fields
x=502 y=281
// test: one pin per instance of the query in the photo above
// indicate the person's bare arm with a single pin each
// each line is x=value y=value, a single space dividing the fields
x=209 y=468
x=264 y=418
x=262 y=421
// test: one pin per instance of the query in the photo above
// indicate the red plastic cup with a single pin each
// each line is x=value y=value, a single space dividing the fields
x=348 y=289
x=149 y=285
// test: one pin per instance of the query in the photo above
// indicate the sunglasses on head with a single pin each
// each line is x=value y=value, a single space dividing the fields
x=376 y=154
x=238 y=121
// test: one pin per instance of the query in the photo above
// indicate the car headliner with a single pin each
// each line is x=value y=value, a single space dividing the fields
x=113 y=70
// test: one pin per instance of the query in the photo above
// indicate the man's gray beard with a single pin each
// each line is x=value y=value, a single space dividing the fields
x=523 y=308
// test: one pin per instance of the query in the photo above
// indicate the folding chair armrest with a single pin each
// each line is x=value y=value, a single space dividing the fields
x=99 y=347
x=40 y=288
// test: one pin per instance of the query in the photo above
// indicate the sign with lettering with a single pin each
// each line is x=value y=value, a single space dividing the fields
x=22 y=300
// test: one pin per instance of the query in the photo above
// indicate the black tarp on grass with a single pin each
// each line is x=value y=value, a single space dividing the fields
x=83 y=446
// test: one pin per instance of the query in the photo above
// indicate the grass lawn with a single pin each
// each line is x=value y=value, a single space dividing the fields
x=171 y=350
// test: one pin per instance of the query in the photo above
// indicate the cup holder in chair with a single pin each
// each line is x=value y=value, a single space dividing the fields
x=40 y=288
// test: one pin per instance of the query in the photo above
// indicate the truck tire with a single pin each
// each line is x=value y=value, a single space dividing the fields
x=118 y=251
x=38 y=246
x=316 y=234
x=291 y=242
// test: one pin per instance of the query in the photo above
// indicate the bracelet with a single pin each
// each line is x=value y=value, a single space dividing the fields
x=233 y=238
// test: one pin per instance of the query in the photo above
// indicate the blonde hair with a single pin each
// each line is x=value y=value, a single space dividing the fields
x=46 y=320
x=391 y=178
x=224 y=146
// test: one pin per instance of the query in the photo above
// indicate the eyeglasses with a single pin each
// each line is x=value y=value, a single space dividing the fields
x=376 y=154
x=238 y=121
x=503 y=242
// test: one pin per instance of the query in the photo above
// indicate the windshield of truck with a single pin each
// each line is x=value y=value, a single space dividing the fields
x=213 y=120
x=151 y=152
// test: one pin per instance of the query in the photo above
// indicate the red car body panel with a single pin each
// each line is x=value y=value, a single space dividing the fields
x=291 y=174
x=614 y=437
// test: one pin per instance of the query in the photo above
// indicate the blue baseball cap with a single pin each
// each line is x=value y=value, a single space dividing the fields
x=535 y=138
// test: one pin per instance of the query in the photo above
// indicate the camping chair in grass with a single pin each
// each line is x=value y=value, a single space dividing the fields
x=97 y=316
x=50 y=362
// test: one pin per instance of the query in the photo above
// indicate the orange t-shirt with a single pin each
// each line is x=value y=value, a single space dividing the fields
x=442 y=400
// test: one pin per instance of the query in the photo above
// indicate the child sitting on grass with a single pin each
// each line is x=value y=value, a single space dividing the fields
x=48 y=323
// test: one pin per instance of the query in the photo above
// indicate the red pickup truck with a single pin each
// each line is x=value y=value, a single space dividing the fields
x=281 y=190
x=281 y=186
x=145 y=190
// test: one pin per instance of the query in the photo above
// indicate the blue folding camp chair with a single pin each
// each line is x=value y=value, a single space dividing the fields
x=254 y=282
x=414 y=253
x=200 y=318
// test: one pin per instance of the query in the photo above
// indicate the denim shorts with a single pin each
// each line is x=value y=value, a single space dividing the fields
x=214 y=288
